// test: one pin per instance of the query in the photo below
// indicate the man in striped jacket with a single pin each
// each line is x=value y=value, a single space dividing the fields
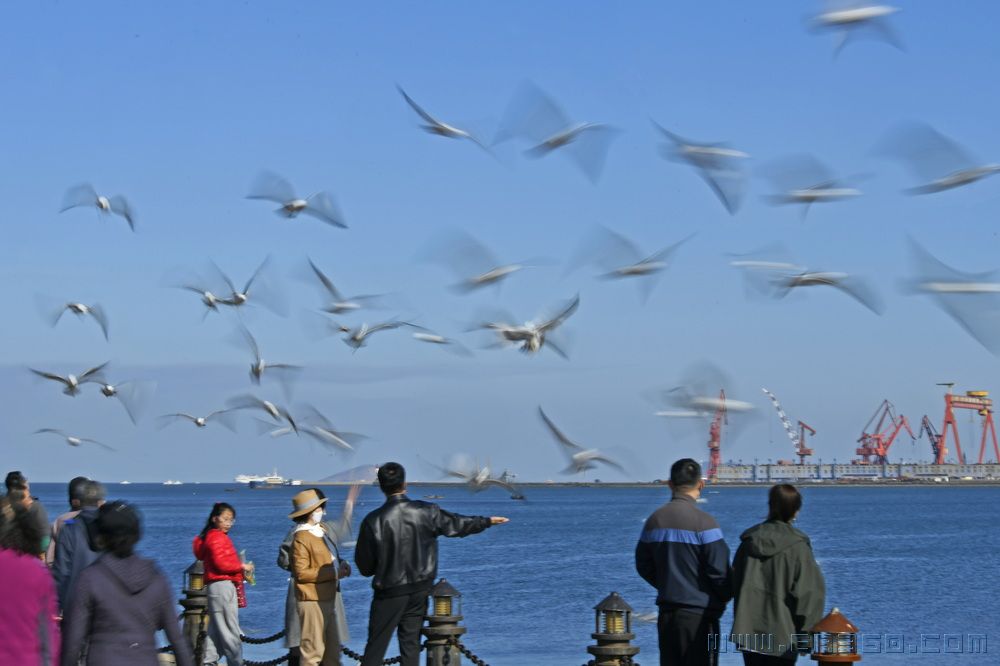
x=682 y=554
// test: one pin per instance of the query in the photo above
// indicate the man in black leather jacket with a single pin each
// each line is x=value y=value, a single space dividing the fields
x=398 y=546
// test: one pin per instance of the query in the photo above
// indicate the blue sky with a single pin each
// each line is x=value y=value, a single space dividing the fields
x=179 y=106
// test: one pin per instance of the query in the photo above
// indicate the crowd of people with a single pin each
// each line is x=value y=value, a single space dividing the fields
x=81 y=595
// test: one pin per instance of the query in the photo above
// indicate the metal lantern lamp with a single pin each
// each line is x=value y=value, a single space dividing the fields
x=443 y=626
x=447 y=600
x=194 y=578
x=835 y=639
x=613 y=632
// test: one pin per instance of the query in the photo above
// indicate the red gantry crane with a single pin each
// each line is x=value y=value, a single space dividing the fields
x=715 y=437
x=798 y=437
x=875 y=442
x=977 y=400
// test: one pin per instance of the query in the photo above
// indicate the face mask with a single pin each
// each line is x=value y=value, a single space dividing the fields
x=317 y=516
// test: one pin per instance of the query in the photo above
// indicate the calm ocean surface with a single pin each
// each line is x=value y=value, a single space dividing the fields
x=899 y=562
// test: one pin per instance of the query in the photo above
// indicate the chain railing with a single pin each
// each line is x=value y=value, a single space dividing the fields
x=465 y=651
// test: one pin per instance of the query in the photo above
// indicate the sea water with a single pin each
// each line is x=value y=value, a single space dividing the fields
x=914 y=567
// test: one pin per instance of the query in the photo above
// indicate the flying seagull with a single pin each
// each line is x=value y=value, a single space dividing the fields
x=72 y=383
x=848 y=19
x=320 y=428
x=620 y=259
x=717 y=164
x=240 y=297
x=476 y=478
x=283 y=372
x=131 y=394
x=357 y=337
x=86 y=195
x=338 y=303
x=54 y=314
x=580 y=459
x=223 y=416
x=531 y=336
x=278 y=413
x=940 y=163
x=535 y=117
x=971 y=299
x=451 y=344
x=473 y=263
x=272 y=187
x=71 y=440
x=435 y=126
x=804 y=180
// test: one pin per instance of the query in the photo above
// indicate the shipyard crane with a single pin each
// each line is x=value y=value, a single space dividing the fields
x=927 y=428
x=715 y=437
x=875 y=442
x=798 y=437
x=978 y=401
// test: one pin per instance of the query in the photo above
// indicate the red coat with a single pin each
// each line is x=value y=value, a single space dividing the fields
x=218 y=554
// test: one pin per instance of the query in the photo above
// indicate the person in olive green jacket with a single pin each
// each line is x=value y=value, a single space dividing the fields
x=779 y=588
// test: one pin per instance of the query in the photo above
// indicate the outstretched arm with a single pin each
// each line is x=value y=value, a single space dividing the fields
x=456 y=525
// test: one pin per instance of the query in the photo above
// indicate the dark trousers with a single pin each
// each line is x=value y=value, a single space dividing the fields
x=755 y=659
x=404 y=615
x=688 y=638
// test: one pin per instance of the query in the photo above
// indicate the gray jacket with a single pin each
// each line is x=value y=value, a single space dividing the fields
x=76 y=549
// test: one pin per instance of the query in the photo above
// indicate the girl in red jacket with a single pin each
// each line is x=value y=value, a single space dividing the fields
x=224 y=579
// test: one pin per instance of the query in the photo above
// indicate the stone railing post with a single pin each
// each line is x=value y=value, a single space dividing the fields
x=195 y=604
x=443 y=629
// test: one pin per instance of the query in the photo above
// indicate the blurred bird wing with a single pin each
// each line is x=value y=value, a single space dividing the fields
x=416 y=107
x=532 y=115
x=54 y=431
x=226 y=417
x=326 y=282
x=328 y=438
x=798 y=172
x=97 y=312
x=263 y=265
x=465 y=255
x=666 y=252
x=101 y=444
x=250 y=342
x=79 y=195
x=94 y=374
x=568 y=445
x=608 y=461
x=590 y=149
x=322 y=206
x=729 y=186
x=134 y=396
x=225 y=278
x=609 y=250
x=500 y=484
x=929 y=154
x=271 y=187
x=861 y=291
x=980 y=321
x=562 y=316
x=120 y=206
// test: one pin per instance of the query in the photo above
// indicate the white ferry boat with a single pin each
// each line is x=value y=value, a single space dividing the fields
x=273 y=480
x=173 y=482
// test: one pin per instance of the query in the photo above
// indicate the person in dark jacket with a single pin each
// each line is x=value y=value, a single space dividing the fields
x=397 y=546
x=75 y=487
x=19 y=491
x=76 y=547
x=121 y=601
x=779 y=587
x=682 y=554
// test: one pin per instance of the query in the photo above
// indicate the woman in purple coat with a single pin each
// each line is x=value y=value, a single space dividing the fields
x=120 y=601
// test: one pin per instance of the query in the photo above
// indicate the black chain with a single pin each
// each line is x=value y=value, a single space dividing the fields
x=261 y=641
x=357 y=657
x=467 y=652
x=622 y=661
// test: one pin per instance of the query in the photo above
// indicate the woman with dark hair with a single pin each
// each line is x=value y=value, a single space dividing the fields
x=778 y=587
x=224 y=580
x=121 y=601
x=29 y=632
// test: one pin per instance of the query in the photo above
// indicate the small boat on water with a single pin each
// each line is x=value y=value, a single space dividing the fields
x=272 y=481
x=173 y=482
x=124 y=483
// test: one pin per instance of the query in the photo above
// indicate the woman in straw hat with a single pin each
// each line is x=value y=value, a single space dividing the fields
x=316 y=568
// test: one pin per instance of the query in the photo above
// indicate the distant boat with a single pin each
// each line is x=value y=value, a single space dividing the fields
x=173 y=482
x=125 y=483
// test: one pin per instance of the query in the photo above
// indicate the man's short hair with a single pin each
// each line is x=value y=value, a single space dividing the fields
x=76 y=486
x=93 y=494
x=15 y=481
x=685 y=473
x=391 y=478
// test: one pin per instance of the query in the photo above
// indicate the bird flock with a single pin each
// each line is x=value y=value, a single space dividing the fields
x=545 y=129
